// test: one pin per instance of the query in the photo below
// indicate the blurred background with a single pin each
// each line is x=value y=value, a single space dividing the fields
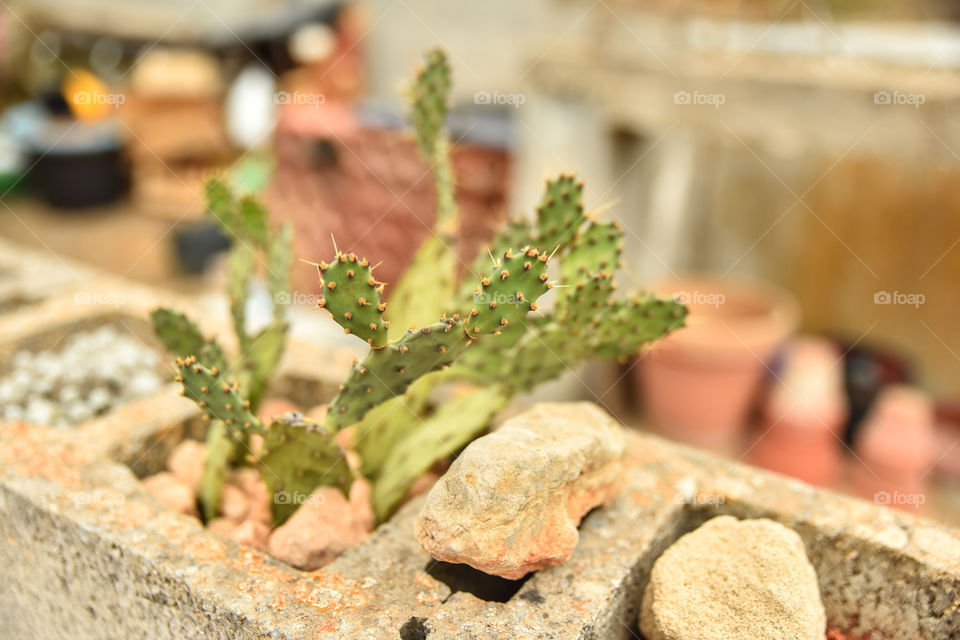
x=788 y=169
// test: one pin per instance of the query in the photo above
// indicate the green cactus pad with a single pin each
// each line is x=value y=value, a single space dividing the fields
x=596 y=248
x=543 y=355
x=429 y=96
x=219 y=399
x=584 y=300
x=630 y=324
x=517 y=233
x=245 y=220
x=240 y=265
x=180 y=336
x=449 y=429
x=352 y=296
x=299 y=456
x=388 y=372
x=509 y=291
x=560 y=213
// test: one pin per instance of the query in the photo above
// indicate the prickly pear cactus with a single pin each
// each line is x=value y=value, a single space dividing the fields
x=587 y=320
x=503 y=296
x=560 y=213
x=429 y=96
x=298 y=456
x=179 y=334
x=221 y=400
x=490 y=332
x=245 y=221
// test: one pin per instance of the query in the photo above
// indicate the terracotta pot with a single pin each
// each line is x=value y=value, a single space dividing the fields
x=698 y=383
x=803 y=415
x=896 y=449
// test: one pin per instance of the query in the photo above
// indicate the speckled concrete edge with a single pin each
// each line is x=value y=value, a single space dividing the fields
x=88 y=553
x=143 y=432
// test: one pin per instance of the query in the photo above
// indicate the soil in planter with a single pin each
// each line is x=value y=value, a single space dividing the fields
x=93 y=373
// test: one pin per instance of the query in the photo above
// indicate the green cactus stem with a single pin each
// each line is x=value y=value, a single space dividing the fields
x=221 y=453
x=180 y=335
x=220 y=399
x=352 y=296
x=560 y=213
x=503 y=297
x=430 y=281
x=298 y=456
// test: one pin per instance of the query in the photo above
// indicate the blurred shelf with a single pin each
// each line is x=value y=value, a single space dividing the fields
x=118 y=238
x=211 y=22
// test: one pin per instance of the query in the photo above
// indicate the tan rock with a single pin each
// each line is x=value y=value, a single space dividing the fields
x=186 y=463
x=323 y=527
x=733 y=579
x=361 y=505
x=255 y=489
x=511 y=502
x=233 y=503
x=251 y=533
x=223 y=526
x=169 y=490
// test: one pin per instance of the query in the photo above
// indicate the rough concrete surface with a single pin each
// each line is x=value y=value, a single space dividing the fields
x=86 y=552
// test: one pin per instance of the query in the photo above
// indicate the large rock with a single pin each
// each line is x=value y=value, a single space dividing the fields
x=731 y=580
x=511 y=502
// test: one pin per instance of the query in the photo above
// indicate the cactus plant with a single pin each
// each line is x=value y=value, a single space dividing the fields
x=480 y=334
x=297 y=455
x=502 y=297
x=244 y=220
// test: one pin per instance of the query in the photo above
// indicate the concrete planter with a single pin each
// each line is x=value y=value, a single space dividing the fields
x=87 y=553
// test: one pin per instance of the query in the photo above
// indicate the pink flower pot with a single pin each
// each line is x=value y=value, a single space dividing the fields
x=896 y=449
x=697 y=384
x=803 y=416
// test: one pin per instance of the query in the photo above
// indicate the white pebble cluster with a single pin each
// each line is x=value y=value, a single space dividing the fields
x=94 y=372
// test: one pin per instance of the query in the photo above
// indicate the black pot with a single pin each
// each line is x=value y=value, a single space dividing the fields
x=77 y=165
